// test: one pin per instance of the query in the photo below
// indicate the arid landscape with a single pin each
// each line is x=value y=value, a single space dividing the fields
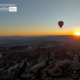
x=39 y=39
x=40 y=58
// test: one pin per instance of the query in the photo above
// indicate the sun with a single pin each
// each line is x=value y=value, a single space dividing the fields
x=77 y=33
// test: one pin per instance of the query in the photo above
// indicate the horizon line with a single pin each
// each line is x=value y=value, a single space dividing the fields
x=34 y=35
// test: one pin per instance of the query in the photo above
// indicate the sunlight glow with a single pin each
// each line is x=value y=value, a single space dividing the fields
x=77 y=33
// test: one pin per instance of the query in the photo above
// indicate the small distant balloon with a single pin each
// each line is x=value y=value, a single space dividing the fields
x=0 y=55
x=60 y=23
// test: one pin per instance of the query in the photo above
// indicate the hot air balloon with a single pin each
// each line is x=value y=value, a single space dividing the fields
x=0 y=55
x=60 y=23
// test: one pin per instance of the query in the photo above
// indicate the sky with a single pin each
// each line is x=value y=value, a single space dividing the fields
x=40 y=17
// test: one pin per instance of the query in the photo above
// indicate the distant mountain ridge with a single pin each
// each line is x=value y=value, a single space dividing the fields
x=31 y=39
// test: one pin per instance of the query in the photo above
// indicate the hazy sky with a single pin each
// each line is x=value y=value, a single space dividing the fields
x=40 y=17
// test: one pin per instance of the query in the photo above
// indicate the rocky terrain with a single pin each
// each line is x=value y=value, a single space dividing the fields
x=46 y=61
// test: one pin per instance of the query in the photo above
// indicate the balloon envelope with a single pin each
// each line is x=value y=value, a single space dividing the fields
x=60 y=23
x=0 y=55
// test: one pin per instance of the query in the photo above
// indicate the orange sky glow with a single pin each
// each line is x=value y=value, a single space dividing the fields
x=69 y=31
